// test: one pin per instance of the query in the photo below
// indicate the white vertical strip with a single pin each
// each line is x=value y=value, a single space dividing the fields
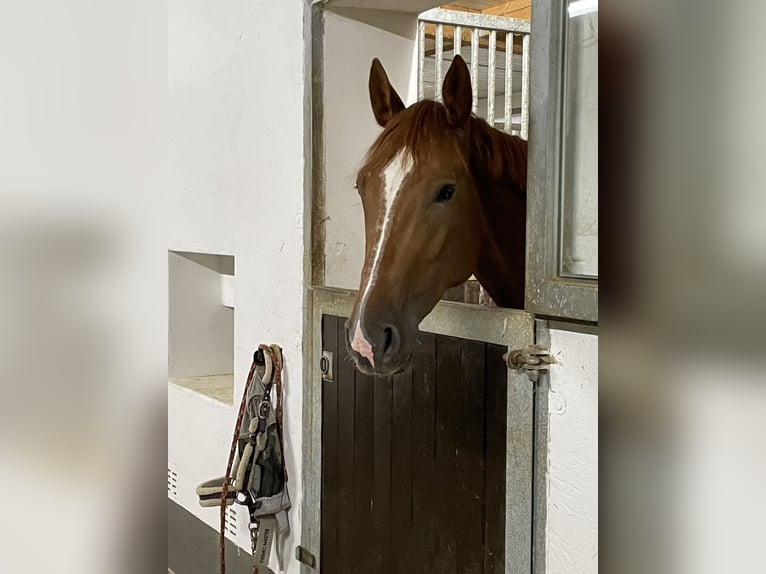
x=475 y=68
x=525 y=88
x=491 y=66
x=508 y=99
x=421 y=58
x=484 y=298
x=439 y=55
x=457 y=41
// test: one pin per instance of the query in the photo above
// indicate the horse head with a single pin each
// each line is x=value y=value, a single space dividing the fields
x=421 y=215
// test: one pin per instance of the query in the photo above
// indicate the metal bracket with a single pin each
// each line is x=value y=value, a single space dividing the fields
x=325 y=365
x=305 y=557
x=533 y=360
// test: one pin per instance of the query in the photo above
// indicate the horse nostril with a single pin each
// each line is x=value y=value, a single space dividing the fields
x=390 y=340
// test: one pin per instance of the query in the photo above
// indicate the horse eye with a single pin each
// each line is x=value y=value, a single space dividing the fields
x=446 y=192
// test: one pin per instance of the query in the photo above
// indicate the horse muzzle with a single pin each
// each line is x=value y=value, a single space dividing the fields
x=377 y=348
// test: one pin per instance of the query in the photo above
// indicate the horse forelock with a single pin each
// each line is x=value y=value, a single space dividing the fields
x=423 y=127
x=413 y=132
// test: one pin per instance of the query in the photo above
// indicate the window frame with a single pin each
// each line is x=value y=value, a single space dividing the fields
x=548 y=292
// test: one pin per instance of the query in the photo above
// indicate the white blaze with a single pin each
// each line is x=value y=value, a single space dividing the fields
x=393 y=177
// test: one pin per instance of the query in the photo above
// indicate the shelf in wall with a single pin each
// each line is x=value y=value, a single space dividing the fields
x=218 y=387
x=201 y=323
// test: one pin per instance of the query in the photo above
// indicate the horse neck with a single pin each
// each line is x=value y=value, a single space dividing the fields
x=498 y=166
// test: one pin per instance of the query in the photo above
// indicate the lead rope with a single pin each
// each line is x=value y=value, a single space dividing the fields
x=276 y=358
x=229 y=465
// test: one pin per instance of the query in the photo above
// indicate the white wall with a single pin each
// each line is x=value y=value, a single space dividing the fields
x=572 y=521
x=238 y=108
x=352 y=39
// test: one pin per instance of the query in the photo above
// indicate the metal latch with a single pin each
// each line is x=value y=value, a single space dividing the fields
x=325 y=365
x=533 y=360
x=305 y=557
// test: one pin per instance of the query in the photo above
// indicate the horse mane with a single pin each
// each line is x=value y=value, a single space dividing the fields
x=501 y=155
x=494 y=154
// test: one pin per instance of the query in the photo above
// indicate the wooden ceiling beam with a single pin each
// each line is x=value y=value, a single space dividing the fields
x=521 y=9
x=509 y=8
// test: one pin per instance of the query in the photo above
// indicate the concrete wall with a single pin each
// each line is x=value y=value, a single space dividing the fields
x=572 y=519
x=237 y=79
x=353 y=37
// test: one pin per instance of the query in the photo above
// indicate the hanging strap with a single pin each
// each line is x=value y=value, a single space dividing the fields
x=268 y=514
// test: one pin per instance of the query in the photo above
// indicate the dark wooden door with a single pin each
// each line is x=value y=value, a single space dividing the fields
x=413 y=466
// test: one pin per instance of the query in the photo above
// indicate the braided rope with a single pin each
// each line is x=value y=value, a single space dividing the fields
x=229 y=465
x=276 y=358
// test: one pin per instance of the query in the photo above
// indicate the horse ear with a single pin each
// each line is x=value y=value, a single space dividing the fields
x=456 y=93
x=386 y=103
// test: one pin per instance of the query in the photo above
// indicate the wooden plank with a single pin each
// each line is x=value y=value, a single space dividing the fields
x=364 y=541
x=401 y=474
x=495 y=459
x=508 y=8
x=420 y=461
x=381 y=476
x=424 y=524
x=329 y=516
x=346 y=466
x=445 y=488
x=471 y=468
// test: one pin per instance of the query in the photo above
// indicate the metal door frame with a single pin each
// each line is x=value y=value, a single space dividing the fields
x=527 y=403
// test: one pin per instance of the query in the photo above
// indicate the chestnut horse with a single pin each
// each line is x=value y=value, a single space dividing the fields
x=444 y=197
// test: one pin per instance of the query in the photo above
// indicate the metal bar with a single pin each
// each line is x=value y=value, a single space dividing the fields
x=491 y=68
x=498 y=325
x=318 y=176
x=540 y=459
x=438 y=57
x=508 y=99
x=484 y=298
x=525 y=87
x=475 y=69
x=474 y=20
x=457 y=41
x=421 y=58
x=519 y=473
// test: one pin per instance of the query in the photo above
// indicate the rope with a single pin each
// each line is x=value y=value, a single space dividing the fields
x=277 y=360
x=232 y=451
